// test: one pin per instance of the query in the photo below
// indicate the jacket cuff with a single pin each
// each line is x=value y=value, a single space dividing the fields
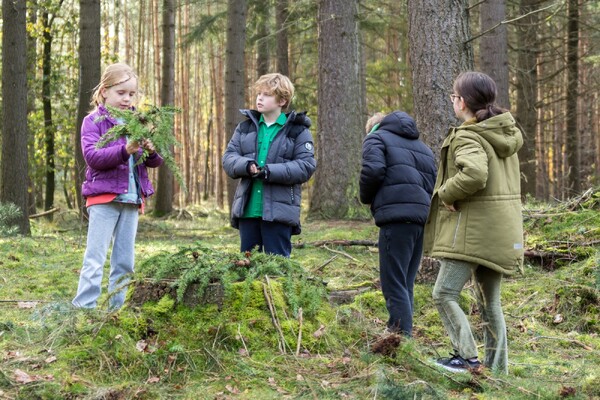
x=124 y=153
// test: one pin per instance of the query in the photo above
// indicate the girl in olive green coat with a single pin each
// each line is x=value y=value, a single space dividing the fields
x=475 y=225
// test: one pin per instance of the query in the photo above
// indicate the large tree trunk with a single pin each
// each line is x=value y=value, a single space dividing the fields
x=234 y=73
x=89 y=76
x=527 y=86
x=573 y=137
x=493 y=47
x=281 y=16
x=164 y=191
x=340 y=128
x=13 y=171
x=439 y=51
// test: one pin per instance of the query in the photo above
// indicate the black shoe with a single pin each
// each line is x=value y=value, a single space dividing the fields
x=456 y=363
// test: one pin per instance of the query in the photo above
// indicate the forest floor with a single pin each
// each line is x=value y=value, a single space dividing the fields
x=311 y=327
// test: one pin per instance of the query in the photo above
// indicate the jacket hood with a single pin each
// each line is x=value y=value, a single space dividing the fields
x=400 y=123
x=501 y=132
x=293 y=117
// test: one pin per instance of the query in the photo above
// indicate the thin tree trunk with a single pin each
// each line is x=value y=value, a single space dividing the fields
x=573 y=137
x=527 y=87
x=281 y=21
x=89 y=76
x=47 y=107
x=164 y=192
x=234 y=72
x=14 y=111
x=31 y=95
x=262 y=41
x=439 y=50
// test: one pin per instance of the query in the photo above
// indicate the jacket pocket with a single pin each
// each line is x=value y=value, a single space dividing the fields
x=449 y=226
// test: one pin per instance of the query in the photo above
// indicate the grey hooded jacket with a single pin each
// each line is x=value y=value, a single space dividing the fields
x=290 y=161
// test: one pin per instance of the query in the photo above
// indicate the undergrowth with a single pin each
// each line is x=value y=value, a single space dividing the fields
x=273 y=334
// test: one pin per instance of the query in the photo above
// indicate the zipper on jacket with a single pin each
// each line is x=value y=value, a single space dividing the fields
x=292 y=193
x=456 y=230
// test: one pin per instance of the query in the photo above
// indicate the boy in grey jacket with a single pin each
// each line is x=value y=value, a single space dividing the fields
x=273 y=154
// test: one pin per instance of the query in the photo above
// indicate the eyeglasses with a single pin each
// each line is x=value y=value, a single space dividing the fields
x=454 y=96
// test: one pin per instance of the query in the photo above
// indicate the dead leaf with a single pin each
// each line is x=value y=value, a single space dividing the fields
x=319 y=332
x=50 y=359
x=23 y=377
x=154 y=379
x=118 y=337
x=232 y=389
x=12 y=354
x=299 y=378
x=243 y=352
x=558 y=318
x=141 y=345
x=27 y=304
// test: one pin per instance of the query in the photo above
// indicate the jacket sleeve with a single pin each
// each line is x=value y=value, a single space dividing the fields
x=300 y=168
x=154 y=160
x=234 y=163
x=107 y=157
x=471 y=163
x=373 y=168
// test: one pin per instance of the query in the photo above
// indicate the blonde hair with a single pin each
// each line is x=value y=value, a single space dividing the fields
x=277 y=85
x=374 y=120
x=113 y=75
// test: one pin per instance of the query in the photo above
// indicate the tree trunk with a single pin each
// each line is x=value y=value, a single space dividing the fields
x=47 y=106
x=527 y=86
x=164 y=191
x=14 y=111
x=281 y=22
x=493 y=47
x=89 y=76
x=262 y=41
x=31 y=94
x=439 y=51
x=339 y=133
x=234 y=73
x=573 y=137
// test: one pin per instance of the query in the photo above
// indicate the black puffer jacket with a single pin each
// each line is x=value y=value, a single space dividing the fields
x=398 y=172
x=290 y=161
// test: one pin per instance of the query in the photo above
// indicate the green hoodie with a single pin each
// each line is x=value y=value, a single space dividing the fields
x=479 y=174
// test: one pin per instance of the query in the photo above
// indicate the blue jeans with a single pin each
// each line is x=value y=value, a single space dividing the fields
x=400 y=250
x=116 y=222
x=270 y=237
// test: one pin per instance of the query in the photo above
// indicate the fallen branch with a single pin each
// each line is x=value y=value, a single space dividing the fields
x=299 y=332
x=342 y=253
x=574 y=341
x=326 y=263
x=51 y=211
x=337 y=242
x=274 y=318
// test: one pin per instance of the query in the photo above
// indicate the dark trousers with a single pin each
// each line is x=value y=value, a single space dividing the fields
x=400 y=251
x=270 y=237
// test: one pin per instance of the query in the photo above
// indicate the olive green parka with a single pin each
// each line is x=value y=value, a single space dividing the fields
x=479 y=174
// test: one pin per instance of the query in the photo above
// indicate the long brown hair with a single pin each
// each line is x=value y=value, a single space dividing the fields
x=478 y=91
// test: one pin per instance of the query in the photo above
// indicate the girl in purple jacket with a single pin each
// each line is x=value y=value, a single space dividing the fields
x=114 y=189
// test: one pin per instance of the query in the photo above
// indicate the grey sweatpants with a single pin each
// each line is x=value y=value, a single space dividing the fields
x=110 y=222
x=450 y=281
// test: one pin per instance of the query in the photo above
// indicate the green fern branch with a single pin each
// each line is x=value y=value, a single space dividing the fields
x=152 y=123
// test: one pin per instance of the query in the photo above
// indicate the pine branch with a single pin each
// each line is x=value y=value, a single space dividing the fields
x=152 y=123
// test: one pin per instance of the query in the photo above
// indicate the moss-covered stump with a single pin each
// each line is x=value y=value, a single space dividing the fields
x=194 y=295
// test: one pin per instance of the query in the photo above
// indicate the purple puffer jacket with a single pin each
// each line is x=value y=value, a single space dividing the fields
x=108 y=168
